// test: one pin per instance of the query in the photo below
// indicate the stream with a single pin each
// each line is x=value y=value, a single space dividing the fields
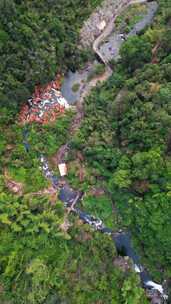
x=107 y=47
x=110 y=49
x=107 y=50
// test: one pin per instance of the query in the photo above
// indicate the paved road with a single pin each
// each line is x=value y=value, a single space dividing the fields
x=69 y=196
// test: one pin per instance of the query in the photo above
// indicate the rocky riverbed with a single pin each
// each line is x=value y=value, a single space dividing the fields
x=68 y=195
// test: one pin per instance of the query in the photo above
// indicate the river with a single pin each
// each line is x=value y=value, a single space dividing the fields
x=105 y=51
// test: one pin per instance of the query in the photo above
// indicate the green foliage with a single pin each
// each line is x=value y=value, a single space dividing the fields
x=101 y=207
x=132 y=295
x=98 y=70
x=51 y=136
x=135 y=52
x=39 y=260
x=28 y=215
x=37 y=40
x=25 y=167
x=121 y=178
x=130 y=16
x=126 y=138
x=75 y=87
x=125 y=141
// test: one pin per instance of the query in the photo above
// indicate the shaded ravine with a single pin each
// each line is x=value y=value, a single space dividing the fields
x=122 y=239
x=70 y=197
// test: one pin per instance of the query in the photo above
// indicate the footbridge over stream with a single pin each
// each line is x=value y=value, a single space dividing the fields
x=69 y=196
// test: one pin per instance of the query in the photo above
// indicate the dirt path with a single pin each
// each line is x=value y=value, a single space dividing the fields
x=121 y=239
x=76 y=123
x=109 y=28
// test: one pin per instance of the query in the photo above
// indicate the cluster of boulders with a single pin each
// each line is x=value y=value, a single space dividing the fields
x=155 y=297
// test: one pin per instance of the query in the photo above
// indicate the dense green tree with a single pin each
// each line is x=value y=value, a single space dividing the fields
x=125 y=143
x=37 y=40
x=125 y=137
x=135 y=52
x=38 y=259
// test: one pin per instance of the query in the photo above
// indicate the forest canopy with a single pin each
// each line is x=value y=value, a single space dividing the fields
x=38 y=39
x=126 y=139
x=123 y=148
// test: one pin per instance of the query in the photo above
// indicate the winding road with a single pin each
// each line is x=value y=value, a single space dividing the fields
x=70 y=197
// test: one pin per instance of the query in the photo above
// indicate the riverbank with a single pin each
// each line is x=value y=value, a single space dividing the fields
x=110 y=49
x=122 y=240
x=105 y=51
x=116 y=40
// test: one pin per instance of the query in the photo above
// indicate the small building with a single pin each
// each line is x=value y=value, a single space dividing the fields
x=62 y=169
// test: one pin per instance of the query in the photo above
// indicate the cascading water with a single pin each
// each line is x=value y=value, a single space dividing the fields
x=121 y=239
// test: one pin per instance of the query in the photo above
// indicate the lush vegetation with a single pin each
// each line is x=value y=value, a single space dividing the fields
x=126 y=138
x=20 y=165
x=37 y=39
x=126 y=21
x=42 y=264
x=125 y=148
x=75 y=87
x=97 y=71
